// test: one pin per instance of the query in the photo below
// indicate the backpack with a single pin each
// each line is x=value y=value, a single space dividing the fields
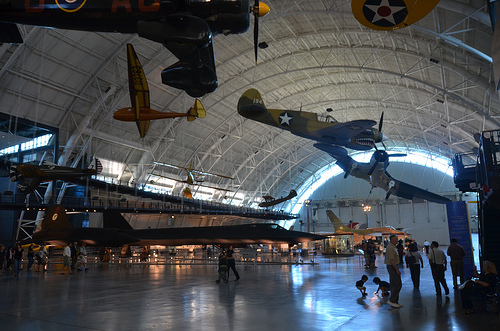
x=411 y=259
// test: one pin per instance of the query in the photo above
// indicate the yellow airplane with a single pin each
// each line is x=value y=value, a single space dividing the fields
x=389 y=15
x=372 y=232
x=193 y=178
x=140 y=112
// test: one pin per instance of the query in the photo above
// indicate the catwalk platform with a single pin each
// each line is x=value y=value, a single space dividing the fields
x=184 y=296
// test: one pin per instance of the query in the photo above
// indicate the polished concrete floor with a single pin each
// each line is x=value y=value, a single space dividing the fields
x=186 y=297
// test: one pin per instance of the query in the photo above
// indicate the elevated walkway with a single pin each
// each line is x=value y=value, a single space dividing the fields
x=480 y=172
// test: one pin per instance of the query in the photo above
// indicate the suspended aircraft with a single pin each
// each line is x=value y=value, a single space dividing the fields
x=184 y=27
x=117 y=232
x=376 y=174
x=270 y=201
x=194 y=177
x=30 y=176
x=374 y=232
x=140 y=112
x=357 y=134
x=389 y=15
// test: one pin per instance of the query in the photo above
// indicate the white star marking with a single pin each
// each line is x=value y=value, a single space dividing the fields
x=285 y=119
x=384 y=11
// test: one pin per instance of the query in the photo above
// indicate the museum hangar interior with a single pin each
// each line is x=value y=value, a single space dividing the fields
x=433 y=81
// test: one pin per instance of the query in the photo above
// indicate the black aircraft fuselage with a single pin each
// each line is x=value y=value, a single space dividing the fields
x=116 y=232
x=185 y=27
x=237 y=235
x=123 y=15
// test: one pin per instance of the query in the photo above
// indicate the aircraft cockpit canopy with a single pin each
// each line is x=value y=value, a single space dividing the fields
x=269 y=226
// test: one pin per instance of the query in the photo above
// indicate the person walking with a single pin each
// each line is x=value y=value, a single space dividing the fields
x=456 y=253
x=392 y=260
x=18 y=258
x=74 y=255
x=67 y=259
x=2 y=258
x=231 y=262
x=31 y=256
x=437 y=260
x=427 y=245
x=82 y=258
x=414 y=261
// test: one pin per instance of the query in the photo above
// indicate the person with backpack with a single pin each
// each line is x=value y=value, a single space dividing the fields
x=414 y=261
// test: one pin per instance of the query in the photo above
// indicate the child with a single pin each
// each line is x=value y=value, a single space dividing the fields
x=360 y=285
x=382 y=285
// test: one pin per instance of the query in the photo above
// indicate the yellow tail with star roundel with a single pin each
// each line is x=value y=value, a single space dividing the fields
x=391 y=14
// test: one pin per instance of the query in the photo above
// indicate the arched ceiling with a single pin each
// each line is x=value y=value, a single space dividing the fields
x=433 y=80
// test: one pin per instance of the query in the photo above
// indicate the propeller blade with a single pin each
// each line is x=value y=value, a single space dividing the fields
x=397 y=155
x=259 y=10
x=372 y=169
x=381 y=122
x=256 y=33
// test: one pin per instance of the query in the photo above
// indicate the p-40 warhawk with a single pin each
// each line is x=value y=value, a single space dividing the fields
x=116 y=232
x=140 y=112
x=184 y=27
x=376 y=174
x=391 y=14
x=270 y=201
x=30 y=176
x=357 y=134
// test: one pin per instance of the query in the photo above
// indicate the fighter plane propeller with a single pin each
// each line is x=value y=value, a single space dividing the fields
x=382 y=156
x=184 y=27
x=376 y=174
x=357 y=134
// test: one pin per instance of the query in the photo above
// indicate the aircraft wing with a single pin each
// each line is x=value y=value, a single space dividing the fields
x=407 y=191
x=138 y=87
x=343 y=131
x=344 y=161
x=393 y=15
x=273 y=202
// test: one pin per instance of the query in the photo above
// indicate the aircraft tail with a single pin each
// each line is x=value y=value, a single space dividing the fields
x=197 y=111
x=337 y=224
x=251 y=104
x=113 y=219
x=55 y=217
x=97 y=166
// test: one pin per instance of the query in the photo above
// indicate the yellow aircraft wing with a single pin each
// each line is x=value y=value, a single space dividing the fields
x=138 y=87
x=390 y=14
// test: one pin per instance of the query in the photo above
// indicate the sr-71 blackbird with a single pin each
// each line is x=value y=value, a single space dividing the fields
x=140 y=112
x=116 y=232
x=30 y=176
x=357 y=134
x=376 y=174
x=184 y=27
